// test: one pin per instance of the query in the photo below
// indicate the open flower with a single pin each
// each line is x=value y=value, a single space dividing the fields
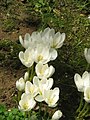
x=42 y=85
x=87 y=54
x=31 y=88
x=44 y=54
x=57 y=40
x=20 y=84
x=27 y=102
x=54 y=40
x=57 y=115
x=27 y=57
x=51 y=97
x=27 y=42
x=87 y=94
x=48 y=37
x=82 y=82
x=43 y=71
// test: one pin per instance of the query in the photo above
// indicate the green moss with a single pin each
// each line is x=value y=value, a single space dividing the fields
x=9 y=53
x=8 y=25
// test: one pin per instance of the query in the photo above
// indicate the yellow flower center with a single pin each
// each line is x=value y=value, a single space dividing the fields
x=89 y=95
x=40 y=57
x=25 y=106
x=31 y=89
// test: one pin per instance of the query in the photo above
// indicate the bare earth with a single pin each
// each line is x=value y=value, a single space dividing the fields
x=8 y=76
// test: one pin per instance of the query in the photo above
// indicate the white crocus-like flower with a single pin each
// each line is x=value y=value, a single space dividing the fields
x=20 y=84
x=82 y=82
x=57 y=40
x=54 y=40
x=36 y=38
x=27 y=57
x=27 y=42
x=43 y=71
x=31 y=88
x=42 y=85
x=87 y=54
x=87 y=94
x=57 y=115
x=27 y=102
x=47 y=37
x=44 y=54
x=51 y=97
x=26 y=76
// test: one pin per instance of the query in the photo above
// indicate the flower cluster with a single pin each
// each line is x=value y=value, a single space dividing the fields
x=36 y=85
x=83 y=85
x=40 y=46
x=83 y=82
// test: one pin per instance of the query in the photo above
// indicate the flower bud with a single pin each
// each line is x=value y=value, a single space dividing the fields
x=20 y=84
x=57 y=115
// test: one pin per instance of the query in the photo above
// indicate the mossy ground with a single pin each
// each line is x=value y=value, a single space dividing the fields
x=69 y=16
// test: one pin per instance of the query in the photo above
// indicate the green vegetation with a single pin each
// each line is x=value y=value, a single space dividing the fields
x=12 y=114
x=15 y=114
x=9 y=53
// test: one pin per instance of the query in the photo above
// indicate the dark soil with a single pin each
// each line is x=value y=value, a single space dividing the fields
x=8 y=76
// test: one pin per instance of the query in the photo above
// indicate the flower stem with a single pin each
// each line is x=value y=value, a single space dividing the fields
x=40 y=109
x=29 y=114
x=32 y=73
x=80 y=105
x=19 y=95
x=83 y=110
x=46 y=110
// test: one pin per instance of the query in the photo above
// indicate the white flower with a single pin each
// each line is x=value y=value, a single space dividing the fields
x=47 y=37
x=54 y=40
x=82 y=82
x=27 y=102
x=27 y=57
x=57 y=40
x=44 y=54
x=57 y=115
x=51 y=97
x=20 y=84
x=31 y=88
x=26 y=76
x=87 y=54
x=42 y=85
x=36 y=38
x=87 y=94
x=27 y=40
x=43 y=71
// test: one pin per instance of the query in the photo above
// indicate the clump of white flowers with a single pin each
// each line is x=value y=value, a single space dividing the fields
x=83 y=85
x=36 y=85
